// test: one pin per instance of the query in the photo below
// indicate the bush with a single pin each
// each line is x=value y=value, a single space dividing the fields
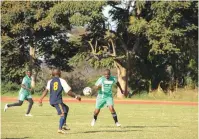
x=39 y=88
x=77 y=83
x=190 y=83
x=9 y=87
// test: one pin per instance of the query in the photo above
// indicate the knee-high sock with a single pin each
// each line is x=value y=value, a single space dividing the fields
x=95 y=117
x=66 y=114
x=61 y=122
x=29 y=106
x=115 y=117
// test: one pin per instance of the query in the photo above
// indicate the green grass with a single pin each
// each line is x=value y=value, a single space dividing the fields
x=138 y=122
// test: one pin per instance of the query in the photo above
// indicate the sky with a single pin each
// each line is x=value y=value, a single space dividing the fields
x=113 y=24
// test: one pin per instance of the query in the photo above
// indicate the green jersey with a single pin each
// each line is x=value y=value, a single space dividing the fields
x=106 y=84
x=27 y=82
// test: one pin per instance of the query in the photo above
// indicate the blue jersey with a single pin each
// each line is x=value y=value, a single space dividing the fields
x=56 y=91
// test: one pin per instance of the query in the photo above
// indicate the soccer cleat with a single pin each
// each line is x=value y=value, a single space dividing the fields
x=6 y=107
x=93 y=122
x=65 y=127
x=118 y=124
x=29 y=115
x=61 y=131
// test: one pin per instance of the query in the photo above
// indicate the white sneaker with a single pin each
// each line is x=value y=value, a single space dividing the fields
x=118 y=124
x=93 y=122
x=30 y=115
x=61 y=131
x=6 y=107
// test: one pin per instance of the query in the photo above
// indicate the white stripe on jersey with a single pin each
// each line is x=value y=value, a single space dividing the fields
x=108 y=82
x=99 y=82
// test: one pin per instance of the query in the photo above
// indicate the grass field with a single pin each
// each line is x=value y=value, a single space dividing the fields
x=138 y=122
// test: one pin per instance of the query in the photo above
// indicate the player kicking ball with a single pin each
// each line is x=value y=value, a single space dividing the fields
x=104 y=85
x=55 y=86
x=24 y=94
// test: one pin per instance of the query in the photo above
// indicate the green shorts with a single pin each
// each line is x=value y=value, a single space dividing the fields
x=24 y=96
x=103 y=100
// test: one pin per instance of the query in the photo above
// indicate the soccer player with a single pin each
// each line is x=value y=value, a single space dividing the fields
x=104 y=86
x=55 y=86
x=24 y=94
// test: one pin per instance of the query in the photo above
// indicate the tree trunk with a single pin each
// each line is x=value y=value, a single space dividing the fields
x=122 y=79
x=32 y=62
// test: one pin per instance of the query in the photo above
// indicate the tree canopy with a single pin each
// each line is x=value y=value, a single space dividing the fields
x=151 y=39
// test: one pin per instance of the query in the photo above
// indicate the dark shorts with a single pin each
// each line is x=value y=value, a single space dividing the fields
x=61 y=108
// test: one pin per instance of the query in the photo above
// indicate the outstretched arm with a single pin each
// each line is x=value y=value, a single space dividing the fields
x=45 y=92
x=72 y=94
x=68 y=90
x=96 y=88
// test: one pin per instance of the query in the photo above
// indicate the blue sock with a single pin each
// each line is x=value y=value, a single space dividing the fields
x=61 y=122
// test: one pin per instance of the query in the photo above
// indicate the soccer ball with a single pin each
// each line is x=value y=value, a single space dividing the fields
x=87 y=91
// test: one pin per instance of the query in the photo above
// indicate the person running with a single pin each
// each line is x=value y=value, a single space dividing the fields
x=104 y=86
x=24 y=94
x=55 y=86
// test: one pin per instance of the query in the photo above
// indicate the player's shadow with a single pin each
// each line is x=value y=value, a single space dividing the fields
x=45 y=115
x=16 y=138
x=101 y=131
x=148 y=126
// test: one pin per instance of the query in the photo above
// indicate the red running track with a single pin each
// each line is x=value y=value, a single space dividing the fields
x=117 y=101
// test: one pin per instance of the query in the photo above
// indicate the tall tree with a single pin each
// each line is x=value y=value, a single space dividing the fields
x=167 y=26
x=113 y=47
x=25 y=38
x=19 y=38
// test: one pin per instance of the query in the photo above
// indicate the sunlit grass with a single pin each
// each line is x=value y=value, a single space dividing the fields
x=138 y=122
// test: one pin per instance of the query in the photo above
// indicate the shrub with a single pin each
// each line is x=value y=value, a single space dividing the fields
x=9 y=87
x=190 y=83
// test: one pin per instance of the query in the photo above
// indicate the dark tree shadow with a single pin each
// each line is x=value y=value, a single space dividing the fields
x=16 y=138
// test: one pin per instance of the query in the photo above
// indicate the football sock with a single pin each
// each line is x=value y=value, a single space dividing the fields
x=61 y=122
x=115 y=117
x=95 y=117
x=29 y=106
x=65 y=116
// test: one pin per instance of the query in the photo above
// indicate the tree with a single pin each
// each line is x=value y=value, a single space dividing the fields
x=112 y=47
x=149 y=37
x=167 y=28
x=19 y=38
x=24 y=38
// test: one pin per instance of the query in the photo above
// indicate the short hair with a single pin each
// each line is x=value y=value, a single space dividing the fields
x=56 y=71
x=107 y=70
